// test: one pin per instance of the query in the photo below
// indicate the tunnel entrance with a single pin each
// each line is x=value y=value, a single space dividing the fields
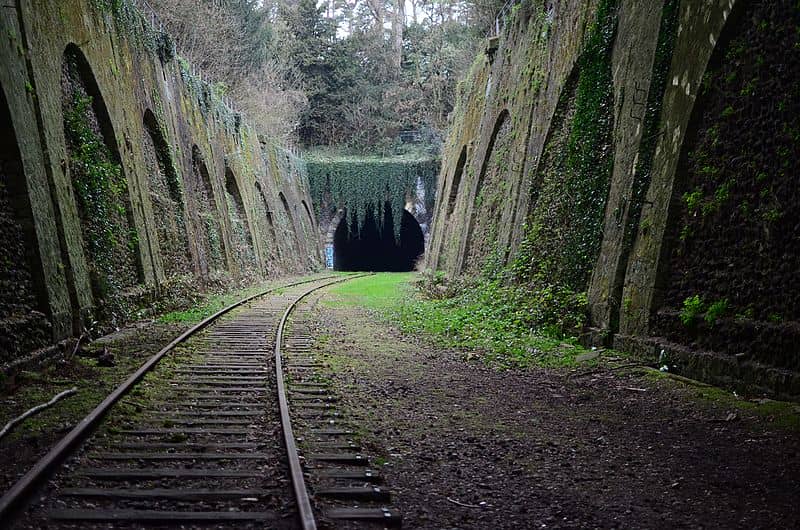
x=374 y=247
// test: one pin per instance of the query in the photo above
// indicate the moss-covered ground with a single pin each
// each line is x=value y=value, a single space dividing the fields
x=485 y=328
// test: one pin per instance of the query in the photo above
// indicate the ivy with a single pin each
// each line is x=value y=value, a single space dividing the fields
x=101 y=193
x=210 y=98
x=589 y=160
x=130 y=19
x=362 y=185
x=563 y=234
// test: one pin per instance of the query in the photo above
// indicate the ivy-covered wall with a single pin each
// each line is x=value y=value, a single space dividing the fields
x=600 y=149
x=363 y=186
x=142 y=186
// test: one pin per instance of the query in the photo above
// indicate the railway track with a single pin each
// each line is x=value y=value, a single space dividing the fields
x=203 y=435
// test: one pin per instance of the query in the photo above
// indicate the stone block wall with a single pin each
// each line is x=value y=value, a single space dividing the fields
x=643 y=153
x=127 y=182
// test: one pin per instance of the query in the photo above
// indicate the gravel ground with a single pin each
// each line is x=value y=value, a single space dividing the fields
x=464 y=446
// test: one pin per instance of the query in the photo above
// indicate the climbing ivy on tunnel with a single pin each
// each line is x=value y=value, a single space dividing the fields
x=362 y=185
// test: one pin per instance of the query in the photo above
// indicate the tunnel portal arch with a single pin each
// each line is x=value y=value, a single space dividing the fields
x=374 y=246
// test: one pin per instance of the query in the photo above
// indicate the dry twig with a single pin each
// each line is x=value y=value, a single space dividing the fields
x=464 y=504
x=35 y=410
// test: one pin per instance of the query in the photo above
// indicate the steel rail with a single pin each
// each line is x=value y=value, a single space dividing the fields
x=307 y=520
x=14 y=497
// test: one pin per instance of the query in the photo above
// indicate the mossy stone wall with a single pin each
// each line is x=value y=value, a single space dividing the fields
x=666 y=216
x=138 y=74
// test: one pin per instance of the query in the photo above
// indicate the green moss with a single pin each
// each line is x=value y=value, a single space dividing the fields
x=715 y=311
x=562 y=236
x=779 y=414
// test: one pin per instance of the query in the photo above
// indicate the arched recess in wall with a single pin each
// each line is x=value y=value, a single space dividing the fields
x=273 y=249
x=291 y=229
x=731 y=243
x=552 y=160
x=24 y=324
x=100 y=189
x=205 y=217
x=455 y=184
x=309 y=216
x=166 y=196
x=489 y=194
x=242 y=237
x=570 y=188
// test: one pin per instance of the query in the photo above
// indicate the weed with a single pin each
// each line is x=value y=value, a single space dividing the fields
x=692 y=307
x=693 y=199
x=715 y=311
x=772 y=215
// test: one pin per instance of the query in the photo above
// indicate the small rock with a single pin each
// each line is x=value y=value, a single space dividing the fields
x=106 y=359
x=587 y=356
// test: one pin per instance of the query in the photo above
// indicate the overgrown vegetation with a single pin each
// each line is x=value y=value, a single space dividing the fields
x=101 y=192
x=237 y=48
x=129 y=18
x=513 y=327
x=361 y=184
x=330 y=73
x=509 y=329
x=371 y=70
x=563 y=233
x=526 y=309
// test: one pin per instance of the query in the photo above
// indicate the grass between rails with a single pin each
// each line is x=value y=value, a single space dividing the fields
x=216 y=302
x=474 y=319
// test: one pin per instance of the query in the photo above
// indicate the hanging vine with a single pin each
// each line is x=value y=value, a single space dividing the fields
x=362 y=185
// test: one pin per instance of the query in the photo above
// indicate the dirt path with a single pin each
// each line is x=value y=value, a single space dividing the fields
x=464 y=446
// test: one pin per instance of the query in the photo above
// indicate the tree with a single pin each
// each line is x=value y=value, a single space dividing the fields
x=234 y=44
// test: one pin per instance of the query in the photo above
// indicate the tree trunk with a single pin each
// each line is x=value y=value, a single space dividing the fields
x=376 y=7
x=398 y=25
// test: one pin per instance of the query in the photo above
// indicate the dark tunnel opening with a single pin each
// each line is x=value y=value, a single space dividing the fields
x=374 y=247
